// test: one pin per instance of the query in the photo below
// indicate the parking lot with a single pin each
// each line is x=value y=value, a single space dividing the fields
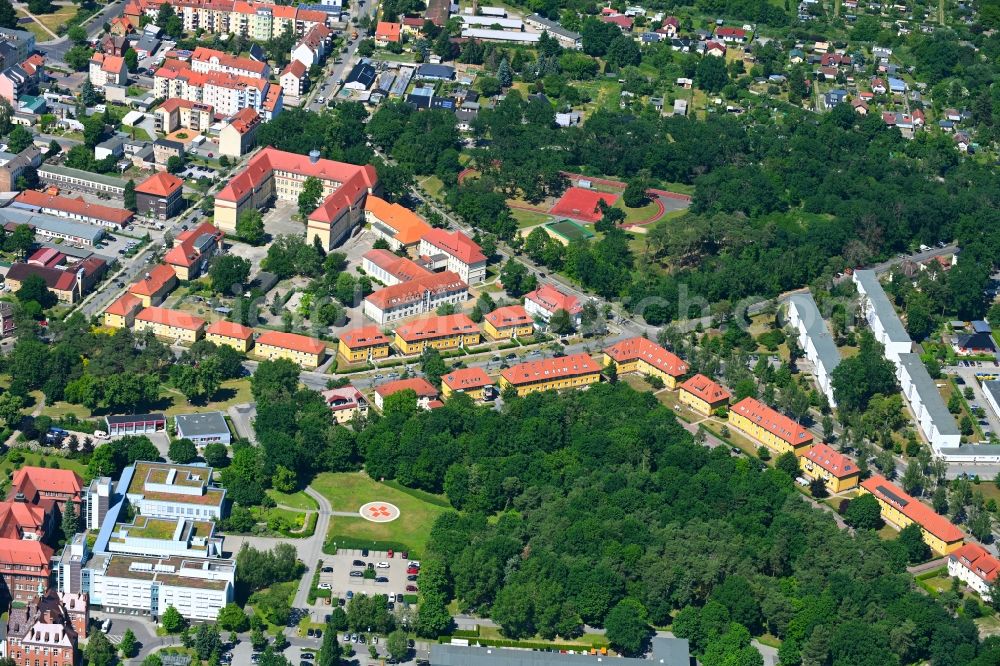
x=342 y=564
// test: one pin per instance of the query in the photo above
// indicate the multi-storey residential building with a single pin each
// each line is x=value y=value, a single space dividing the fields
x=510 y=321
x=77 y=209
x=440 y=332
x=313 y=47
x=160 y=196
x=837 y=471
x=881 y=316
x=900 y=510
x=547 y=300
x=474 y=382
x=170 y=324
x=259 y=21
x=239 y=135
x=571 y=371
x=294 y=79
x=398 y=226
x=227 y=93
x=193 y=249
x=647 y=358
x=204 y=60
x=974 y=566
x=416 y=297
x=107 y=70
x=154 y=285
x=426 y=394
x=274 y=174
x=307 y=352
x=197 y=588
x=769 y=427
x=815 y=339
x=345 y=402
x=363 y=344
x=13 y=166
x=703 y=395
x=237 y=336
x=455 y=252
x=176 y=113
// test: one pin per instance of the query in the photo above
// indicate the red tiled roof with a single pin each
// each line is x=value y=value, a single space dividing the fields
x=833 y=462
x=456 y=244
x=419 y=385
x=345 y=397
x=465 y=379
x=551 y=299
x=731 y=32
x=919 y=513
x=184 y=252
x=510 y=315
x=408 y=226
x=77 y=206
x=640 y=348
x=623 y=22
x=55 y=278
x=204 y=54
x=387 y=31
x=172 y=318
x=978 y=560
x=160 y=184
x=27 y=553
x=17 y=518
x=407 y=292
x=124 y=306
x=31 y=481
x=436 y=327
x=158 y=276
x=293 y=341
x=366 y=336
x=551 y=368
x=401 y=268
x=702 y=387
x=295 y=68
x=229 y=329
x=245 y=120
x=773 y=421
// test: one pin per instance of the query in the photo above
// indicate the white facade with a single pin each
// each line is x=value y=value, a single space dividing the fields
x=429 y=301
x=198 y=589
x=881 y=316
x=815 y=340
x=932 y=415
x=975 y=567
x=305 y=54
x=471 y=273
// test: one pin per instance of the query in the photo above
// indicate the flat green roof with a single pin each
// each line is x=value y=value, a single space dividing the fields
x=570 y=230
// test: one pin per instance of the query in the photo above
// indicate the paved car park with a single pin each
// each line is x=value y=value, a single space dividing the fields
x=346 y=561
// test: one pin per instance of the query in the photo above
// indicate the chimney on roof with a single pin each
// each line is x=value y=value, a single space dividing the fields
x=314 y=156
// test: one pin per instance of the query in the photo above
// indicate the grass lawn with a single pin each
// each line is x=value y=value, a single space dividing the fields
x=32 y=458
x=529 y=218
x=637 y=214
x=433 y=186
x=888 y=532
x=297 y=500
x=348 y=491
x=670 y=399
x=292 y=518
x=137 y=132
x=589 y=640
x=232 y=392
x=637 y=382
x=57 y=18
x=747 y=445
x=34 y=28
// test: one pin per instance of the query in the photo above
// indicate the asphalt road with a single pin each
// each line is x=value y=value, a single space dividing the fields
x=55 y=50
x=337 y=71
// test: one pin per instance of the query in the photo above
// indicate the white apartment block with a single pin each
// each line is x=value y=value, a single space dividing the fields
x=973 y=565
x=205 y=60
x=815 y=340
x=935 y=421
x=881 y=316
x=455 y=252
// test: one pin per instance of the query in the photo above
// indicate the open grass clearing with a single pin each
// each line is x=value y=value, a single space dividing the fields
x=298 y=500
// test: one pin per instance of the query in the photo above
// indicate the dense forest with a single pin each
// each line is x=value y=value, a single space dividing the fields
x=596 y=507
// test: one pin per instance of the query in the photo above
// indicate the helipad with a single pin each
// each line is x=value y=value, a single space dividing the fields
x=379 y=512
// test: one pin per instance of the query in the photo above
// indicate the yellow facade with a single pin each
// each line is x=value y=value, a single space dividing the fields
x=117 y=321
x=695 y=403
x=834 y=484
x=557 y=384
x=641 y=367
x=304 y=359
x=451 y=341
x=508 y=332
x=171 y=332
x=895 y=517
x=475 y=394
x=238 y=344
x=766 y=437
x=362 y=354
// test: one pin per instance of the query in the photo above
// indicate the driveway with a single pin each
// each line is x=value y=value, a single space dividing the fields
x=312 y=550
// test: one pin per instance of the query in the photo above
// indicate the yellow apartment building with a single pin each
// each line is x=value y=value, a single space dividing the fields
x=511 y=321
x=154 y=285
x=171 y=324
x=442 y=332
x=900 y=510
x=363 y=344
x=551 y=374
x=835 y=470
x=307 y=352
x=230 y=334
x=121 y=313
x=769 y=427
x=474 y=382
x=703 y=395
x=645 y=357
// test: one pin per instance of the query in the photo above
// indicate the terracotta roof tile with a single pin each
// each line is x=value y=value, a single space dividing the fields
x=293 y=341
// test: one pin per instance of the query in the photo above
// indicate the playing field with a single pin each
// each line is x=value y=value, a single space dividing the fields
x=581 y=204
x=570 y=230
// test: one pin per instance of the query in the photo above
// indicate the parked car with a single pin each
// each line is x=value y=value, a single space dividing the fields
x=411 y=578
x=381 y=579
x=325 y=586
x=357 y=574
x=327 y=569
x=382 y=565
x=358 y=563
x=310 y=633
x=411 y=588
x=413 y=570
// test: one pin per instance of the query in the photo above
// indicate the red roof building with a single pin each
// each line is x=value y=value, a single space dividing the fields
x=418 y=296
x=387 y=32
x=639 y=354
x=731 y=34
x=25 y=566
x=702 y=394
x=46 y=487
x=172 y=319
x=622 y=21
x=466 y=380
x=837 y=471
x=292 y=342
x=770 y=426
x=546 y=300
x=432 y=328
x=976 y=566
x=160 y=184
x=364 y=337
x=74 y=209
x=453 y=251
x=424 y=390
x=571 y=371
x=901 y=510
x=193 y=249
x=19 y=520
x=508 y=322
